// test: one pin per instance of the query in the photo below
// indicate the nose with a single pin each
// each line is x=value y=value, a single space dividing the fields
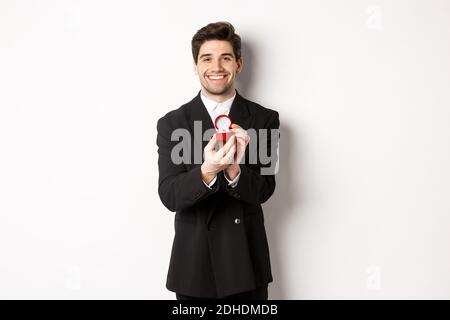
x=217 y=65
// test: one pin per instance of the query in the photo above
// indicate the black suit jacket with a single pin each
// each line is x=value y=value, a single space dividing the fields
x=220 y=246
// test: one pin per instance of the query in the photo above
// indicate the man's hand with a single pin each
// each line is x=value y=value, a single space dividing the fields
x=242 y=140
x=216 y=161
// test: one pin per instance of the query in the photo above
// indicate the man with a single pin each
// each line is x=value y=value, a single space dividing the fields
x=220 y=248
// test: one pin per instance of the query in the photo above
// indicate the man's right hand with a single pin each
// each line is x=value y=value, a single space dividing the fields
x=216 y=161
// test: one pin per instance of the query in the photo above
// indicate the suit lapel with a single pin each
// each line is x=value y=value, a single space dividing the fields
x=239 y=112
x=198 y=112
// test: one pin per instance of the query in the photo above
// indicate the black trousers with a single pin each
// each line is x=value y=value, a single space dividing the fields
x=257 y=294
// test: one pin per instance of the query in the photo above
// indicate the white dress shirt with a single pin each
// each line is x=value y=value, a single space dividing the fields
x=214 y=109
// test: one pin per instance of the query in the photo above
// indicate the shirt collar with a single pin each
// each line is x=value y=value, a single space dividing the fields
x=222 y=107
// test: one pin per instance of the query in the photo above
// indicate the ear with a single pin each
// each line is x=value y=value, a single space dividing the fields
x=240 y=63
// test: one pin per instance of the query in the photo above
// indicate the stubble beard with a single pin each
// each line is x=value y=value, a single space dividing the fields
x=217 y=90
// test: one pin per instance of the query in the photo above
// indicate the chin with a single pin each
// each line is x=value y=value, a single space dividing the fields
x=214 y=90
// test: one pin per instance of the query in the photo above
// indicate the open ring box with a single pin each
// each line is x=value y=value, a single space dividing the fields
x=223 y=125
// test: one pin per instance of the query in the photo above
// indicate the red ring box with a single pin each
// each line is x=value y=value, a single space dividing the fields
x=223 y=126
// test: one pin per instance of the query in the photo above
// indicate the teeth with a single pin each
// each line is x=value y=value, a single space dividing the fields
x=216 y=77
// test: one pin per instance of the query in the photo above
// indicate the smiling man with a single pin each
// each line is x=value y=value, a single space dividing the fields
x=220 y=248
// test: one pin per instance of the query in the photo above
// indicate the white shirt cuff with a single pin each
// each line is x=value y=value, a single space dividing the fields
x=211 y=183
x=233 y=183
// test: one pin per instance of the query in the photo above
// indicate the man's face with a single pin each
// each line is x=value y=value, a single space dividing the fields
x=217 y=67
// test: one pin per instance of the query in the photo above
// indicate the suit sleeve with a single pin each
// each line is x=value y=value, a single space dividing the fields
x=254 y=187
x=178 y=188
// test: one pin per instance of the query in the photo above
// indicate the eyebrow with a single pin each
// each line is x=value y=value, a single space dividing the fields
x=209 y=54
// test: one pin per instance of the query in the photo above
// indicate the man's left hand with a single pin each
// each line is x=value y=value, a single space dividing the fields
x=242 y=140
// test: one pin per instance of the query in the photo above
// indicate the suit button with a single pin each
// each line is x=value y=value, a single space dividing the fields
x=237 y=220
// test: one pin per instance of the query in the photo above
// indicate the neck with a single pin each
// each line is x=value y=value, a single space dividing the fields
x=219 y=97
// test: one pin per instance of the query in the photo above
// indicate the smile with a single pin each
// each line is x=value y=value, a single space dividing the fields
x=216 y=78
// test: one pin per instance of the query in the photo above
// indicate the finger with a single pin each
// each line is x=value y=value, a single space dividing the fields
x=245 y=137
x=236 y=130
x=234 y=125
x=241 y=147
x=242 y=139
x=210 y=145
x=222 y=151
x=230 y=142
x=240 y=132
x=229 y=156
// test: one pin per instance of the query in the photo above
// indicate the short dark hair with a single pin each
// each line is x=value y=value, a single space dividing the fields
x=221 y=30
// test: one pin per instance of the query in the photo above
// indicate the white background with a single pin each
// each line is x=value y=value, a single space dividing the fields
x=362 y=204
